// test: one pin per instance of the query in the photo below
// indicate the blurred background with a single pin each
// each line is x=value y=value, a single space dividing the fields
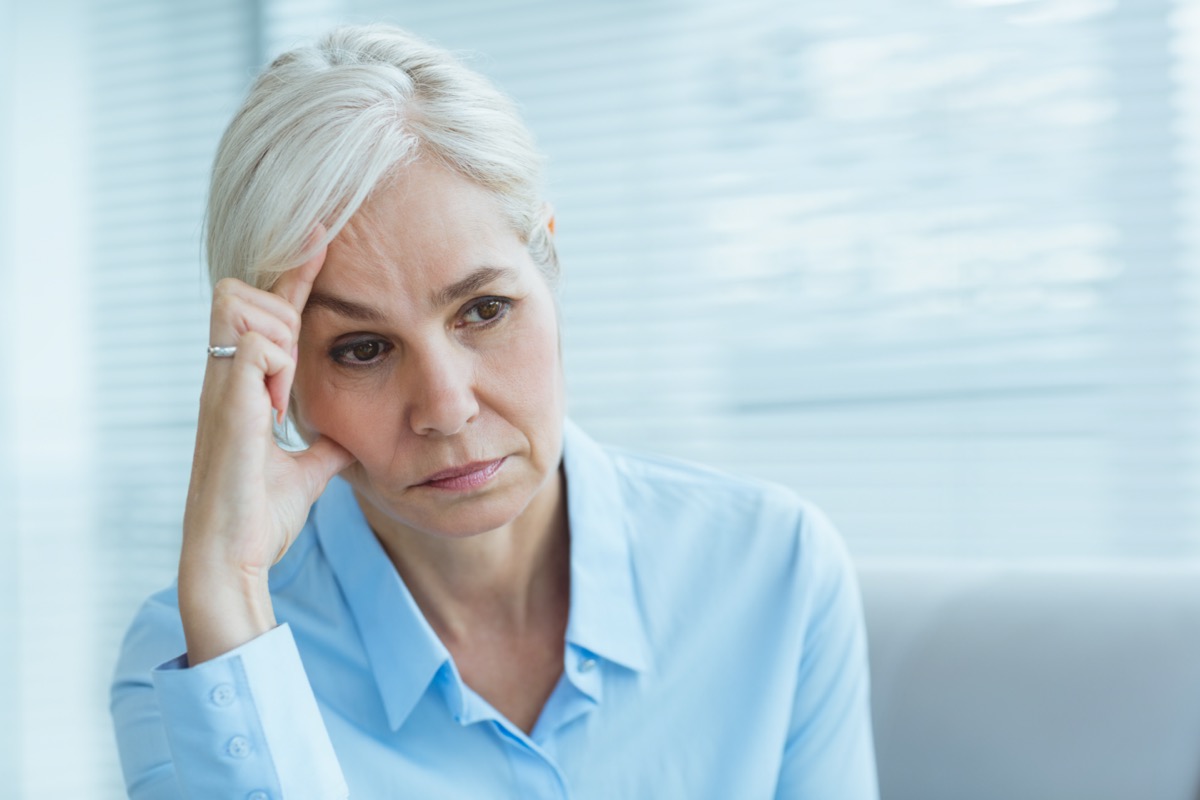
x=932 y=263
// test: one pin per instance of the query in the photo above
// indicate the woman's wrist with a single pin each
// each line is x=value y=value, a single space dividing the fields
x=222 y=607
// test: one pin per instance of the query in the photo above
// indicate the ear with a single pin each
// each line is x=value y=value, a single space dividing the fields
x=548 y=213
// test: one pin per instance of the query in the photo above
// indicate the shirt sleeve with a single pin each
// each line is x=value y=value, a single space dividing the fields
x=243 y=725
x=830 y=749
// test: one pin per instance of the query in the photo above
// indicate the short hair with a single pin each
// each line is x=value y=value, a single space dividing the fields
x=324 y=125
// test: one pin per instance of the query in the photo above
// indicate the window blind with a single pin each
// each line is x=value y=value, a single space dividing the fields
x=922 y=261
x=166 y=78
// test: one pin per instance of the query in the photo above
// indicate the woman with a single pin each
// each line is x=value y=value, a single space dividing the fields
x=453 y=593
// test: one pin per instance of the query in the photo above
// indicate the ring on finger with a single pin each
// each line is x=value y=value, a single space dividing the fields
x=217 y=351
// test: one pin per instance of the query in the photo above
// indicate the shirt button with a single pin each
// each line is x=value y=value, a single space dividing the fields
x=238 y=747
x=222 y=695
x=587 y=664
x=258 y=796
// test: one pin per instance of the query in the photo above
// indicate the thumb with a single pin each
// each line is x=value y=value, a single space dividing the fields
x=321 y=461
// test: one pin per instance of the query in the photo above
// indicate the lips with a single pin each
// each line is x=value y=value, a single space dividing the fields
x=465 y=476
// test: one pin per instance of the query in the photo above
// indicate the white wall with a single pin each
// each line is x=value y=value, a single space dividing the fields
x=10 y=756
x=48 y=600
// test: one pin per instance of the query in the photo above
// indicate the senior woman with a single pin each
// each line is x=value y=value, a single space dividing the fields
x=453 y=592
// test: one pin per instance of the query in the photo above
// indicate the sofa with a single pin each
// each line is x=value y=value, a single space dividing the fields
x=1034 y=681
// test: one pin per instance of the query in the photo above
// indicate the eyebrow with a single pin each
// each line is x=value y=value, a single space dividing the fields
x=344 y=308
x=443 y=297
x=469 y=285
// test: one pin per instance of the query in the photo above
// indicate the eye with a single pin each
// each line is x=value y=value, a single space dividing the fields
x=360 y=353
x=486 y=311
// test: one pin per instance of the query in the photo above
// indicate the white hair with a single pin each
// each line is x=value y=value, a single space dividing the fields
x=324 y=125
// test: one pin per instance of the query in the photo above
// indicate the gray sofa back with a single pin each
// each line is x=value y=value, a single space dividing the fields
x=995 y=681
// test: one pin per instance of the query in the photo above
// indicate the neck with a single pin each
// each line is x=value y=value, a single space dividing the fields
x=509 y=580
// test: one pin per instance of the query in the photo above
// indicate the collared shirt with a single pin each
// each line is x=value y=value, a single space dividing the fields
x=714 y=649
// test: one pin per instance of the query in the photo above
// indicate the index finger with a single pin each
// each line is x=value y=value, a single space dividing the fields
x=295 y=285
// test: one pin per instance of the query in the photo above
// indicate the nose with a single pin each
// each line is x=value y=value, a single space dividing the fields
x=441 y=383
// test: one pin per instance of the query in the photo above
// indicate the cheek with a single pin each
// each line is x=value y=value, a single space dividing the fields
x=527 y=370
x=328 y=403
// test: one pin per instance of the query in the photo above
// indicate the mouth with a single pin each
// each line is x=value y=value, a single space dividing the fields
x=466 y=476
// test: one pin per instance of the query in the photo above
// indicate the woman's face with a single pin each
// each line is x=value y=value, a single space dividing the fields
x=429 y=350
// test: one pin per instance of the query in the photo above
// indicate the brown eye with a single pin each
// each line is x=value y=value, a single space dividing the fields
x=487 y=311
x=490 y=309
x=365 y=351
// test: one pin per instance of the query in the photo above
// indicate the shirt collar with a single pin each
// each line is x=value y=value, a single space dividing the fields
x=604 y=617
x=404 y=651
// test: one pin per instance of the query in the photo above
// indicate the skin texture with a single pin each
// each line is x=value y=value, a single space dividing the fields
x=397 y=379
x=447 y=387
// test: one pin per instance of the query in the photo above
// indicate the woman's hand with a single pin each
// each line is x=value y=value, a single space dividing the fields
x=248 y=498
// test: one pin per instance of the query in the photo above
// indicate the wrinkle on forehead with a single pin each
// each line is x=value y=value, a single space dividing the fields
x=427 y=225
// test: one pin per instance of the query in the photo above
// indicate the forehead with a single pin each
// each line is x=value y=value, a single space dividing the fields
x=424 y=229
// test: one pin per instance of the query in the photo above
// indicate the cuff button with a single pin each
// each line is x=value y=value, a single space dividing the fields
x=222 y=695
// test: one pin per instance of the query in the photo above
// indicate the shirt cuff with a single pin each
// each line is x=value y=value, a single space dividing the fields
x=246 y=724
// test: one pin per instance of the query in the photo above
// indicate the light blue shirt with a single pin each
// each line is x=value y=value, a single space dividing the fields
x=715 y=649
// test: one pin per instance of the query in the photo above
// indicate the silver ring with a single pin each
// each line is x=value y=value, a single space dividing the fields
x=221 y=352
